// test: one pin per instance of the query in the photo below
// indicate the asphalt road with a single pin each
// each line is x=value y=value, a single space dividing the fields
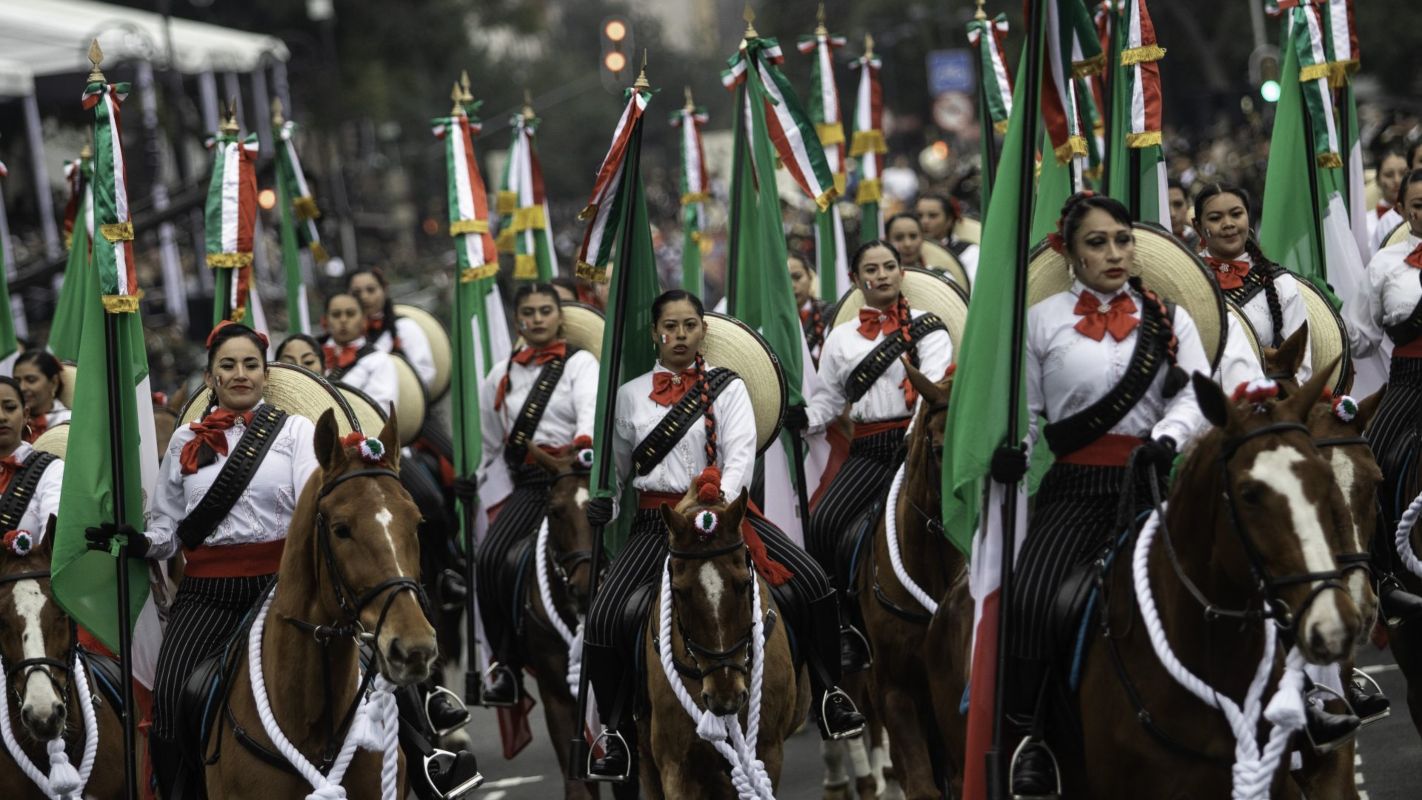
x=1389 y=753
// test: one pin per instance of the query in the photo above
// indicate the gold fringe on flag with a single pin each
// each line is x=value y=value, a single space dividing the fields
x=525 y=267
x=1314 y=72
x=1000 y=126
x=121 y=303
x=1075 y=146
x=1338 y=72
x=869 y=192
x=506 y=202
x=826 y=197
x=318 y=252
x=505 y=241
x=1142 y=55
x=1329 y=160
x=831 y=133
x=1090 y=66
x=305 y=208
x=471 y=274
x=530 y=218
x=868 y=142
x=588 y=272
x=117 y=231
x=691 y=198
x=840 y=181
x=463 y=226
x=1143 y=139
x=229 y=260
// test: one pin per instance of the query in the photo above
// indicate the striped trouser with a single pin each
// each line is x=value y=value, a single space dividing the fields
x=206 y=613
x=1393 y=434
x=518 y=519
x=864 y=476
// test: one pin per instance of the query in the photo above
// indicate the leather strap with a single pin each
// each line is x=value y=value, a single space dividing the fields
x=659 y=442
x=1404 y=332
x=869 y=368
x=234 y=478
x=534 y=406
x=1066 y=436
x=22 y=489
x=340 y=372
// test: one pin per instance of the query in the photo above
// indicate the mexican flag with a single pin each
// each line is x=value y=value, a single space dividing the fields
x=994 y=92
x=230 y=221
x=524 y=228
x=869 y=147
x=694 y=193
x=823 y=110
x=299 y=213
x=67 y=328
x=1138 y=176
x=112 y=465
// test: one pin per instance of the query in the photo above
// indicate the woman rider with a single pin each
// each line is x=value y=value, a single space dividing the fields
x=37 y=477
x=1081 y=351
x=813 y=311
x=301 y=350
x=545 y=396
x=724 y=447
x=1266 y=292
x=386 y=331
x=938 y=214
x=861 y=369
x=905 y=233
x=41 y=377
x=351 y=359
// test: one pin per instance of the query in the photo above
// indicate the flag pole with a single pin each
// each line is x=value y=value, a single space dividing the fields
x=1318 y=245
x=1109 y=97
x=996 y=763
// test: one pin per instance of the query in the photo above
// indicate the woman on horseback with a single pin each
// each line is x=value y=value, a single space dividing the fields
x=387 y=331
x=25 y=513
x=861 y=369
x=42 y=379
x=1265 y=291
x=352 y=360
x=906 y=234
x=939 y=214
x=544 y=396
x=226 y=491
x=813 y=311
x=301 y=350
x=1084 y=354
x=671 y=451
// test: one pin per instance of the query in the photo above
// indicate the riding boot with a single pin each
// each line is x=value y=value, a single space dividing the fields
x=445 y=711
x=1365 y=697
x=1032 y=771
x=432 y=773
x=1395 y=603
x=838 y=718
x=170 y=770
x=612 y=684
x=503 y=686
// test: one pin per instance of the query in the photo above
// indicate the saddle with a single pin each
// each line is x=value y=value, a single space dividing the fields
x=204 y=696
x=106 y=674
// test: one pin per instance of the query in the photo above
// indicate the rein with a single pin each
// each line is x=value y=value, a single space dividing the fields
x=1350 y=561
x=715 y=659
x=39 y=663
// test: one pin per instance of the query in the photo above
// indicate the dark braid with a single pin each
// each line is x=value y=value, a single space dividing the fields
x=1263 y=270
x=815 y=336
x=710 y=415
x=1175 y=377
x=901 y=310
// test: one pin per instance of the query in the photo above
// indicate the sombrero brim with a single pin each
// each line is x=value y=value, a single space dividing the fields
x=730 y=343
x=582 y=328
x=1398 y=235
x=1246 y=329
x=967 y=229
x=926 y=290
x=292 y=389
x=370 y=417
x=55 y=440
x=1327 y=338
x=440 y=348
x=70 y=373
x=941 y=259
x=410 y=401
x=1166 y=267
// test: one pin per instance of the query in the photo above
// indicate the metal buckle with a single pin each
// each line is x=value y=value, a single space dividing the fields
x=592 y=749
x=457 y=792
x=438 y=691
x=1012 y=770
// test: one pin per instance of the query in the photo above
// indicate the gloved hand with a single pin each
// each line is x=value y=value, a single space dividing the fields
x=599 y=511
x=1009 y=464
x=796 y=418
x=466 y=488
x=1159 y=453
x=101 y=538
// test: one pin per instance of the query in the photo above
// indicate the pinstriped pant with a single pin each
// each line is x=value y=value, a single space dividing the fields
x=206 y=613
x=1393 y=434
x=520 y=517
x=864 y=476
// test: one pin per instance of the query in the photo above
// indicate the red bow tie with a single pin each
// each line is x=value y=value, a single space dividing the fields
x=1382 y=210
x=1414 y=258
x=669 y=387
x=1229 y=274
x=804 y=315
x=39 y=423
x=9 y=466
x=340 y=358
x=541 y=355
x=872 y=321
x=1097 y=317
x=211 y=439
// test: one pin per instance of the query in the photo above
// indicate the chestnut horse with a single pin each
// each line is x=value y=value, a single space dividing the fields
x=568 y=573
x=712 y=587
x=350 y=573
x=895 y=622
x=39 y=659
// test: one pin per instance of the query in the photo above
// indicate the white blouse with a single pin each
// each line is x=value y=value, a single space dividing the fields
x=638 y=415
x=1381 y=227
x=1394 y=288
x=1295 y=314
x=969 y=259
x=571 y=408
x=374 y=374
x=844 y=348
x=58 y=413
x=414 y=344
x=45 y=502
x=1067 y=372
x=1238 y=363
x=261 y=514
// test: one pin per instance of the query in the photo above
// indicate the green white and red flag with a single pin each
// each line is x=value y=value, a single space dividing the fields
x=66 y=331
x=1310 y=44
x=987 y=37
x=1138 y=175
x=523 y=205
x=230 y=221
x=694 y=192
x=113 y=247
x=823 y=107
x=299 y=213
x=867 y=145
x=603 y=210
x=1073 y=51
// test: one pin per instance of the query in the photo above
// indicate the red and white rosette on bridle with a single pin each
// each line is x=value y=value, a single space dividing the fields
x=232 y=214
x=113 y=256
x=595 y=254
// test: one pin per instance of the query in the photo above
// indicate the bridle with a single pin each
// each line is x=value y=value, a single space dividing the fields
x=24 y=667
x=1360 y=560
x=714 y=659
x=565 y=564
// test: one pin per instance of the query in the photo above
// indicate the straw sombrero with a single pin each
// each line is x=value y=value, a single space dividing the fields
x=290 y=388
x=967 y=229
x=440 y=349
x=926 y=290
x=1327 y=337
x=732 y=344
x=937 y=257
x=70 y=373
x=368 y=414
x=582 y=328
x=55 y=440
x=411 y=401
x=1398 y=235
x=1166 y=266
x=1246 y=328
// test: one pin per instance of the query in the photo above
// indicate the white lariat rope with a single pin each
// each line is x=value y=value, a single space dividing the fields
x=574 y=639
x=375 y=727
x=1404 y=537
x=891 y=530
x=737 y=746
x=63 y=781
x=1254 y=769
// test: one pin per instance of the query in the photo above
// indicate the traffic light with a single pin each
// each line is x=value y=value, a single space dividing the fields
x=615 y=67
x=1264 y=72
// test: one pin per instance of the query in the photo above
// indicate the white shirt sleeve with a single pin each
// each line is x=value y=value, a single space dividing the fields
x=1295 y=315
x=416 y=346
x=623 y=440
x=491 y=422
x=736 y=438
x=1238 y=363
x=169 y=502
x=380 y=381
x=1183 y=418
x=303 y=457
x=1364 y=314
x=1032 y=371
x=935 y=354
x=969 y=260
x=45 y=502
x=583 y=373
x=827 y=401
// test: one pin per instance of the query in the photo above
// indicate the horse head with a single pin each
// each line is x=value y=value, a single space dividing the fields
x=932 y=416
x=1281 y=525
x=569 y=533
x=36 y=639
x=367 y=550
x=711 y=579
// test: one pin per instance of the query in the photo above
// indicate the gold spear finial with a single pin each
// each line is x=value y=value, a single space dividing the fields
x=749 y=16
x=96 y=57
x=690 y=104
x=86 y=152
x=642 y=82
x=868 y=45
x=465 y=95
x=229 y=125
x=981 y=14
x=277 y=118
x=456 y=94
x=527 y=104
x=820 y=29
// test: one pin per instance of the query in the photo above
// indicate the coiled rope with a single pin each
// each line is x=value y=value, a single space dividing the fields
x=573 y=639
x=63 y=781
x=1404 y=537
x=891 y=530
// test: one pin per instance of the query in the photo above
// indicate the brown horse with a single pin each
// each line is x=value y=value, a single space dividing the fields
x=568 y=572
x=350 y=572
x=895 y=622
x=712 y=647
x=37 y=646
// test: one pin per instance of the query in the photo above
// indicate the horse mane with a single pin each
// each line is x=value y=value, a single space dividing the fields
x=301 y=534
x=1198 y=476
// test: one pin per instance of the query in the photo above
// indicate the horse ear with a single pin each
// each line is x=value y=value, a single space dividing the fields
x=1211 y=399
x=390 y=437
x=676 y=523
x=327 y=443
x=1300 y=404
x=1289 y=357
x=1368 y=407
x=925 y=386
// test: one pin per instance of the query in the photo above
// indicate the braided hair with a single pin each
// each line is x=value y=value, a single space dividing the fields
x=1262 y=270
x=1175 y=377
x=902 y=312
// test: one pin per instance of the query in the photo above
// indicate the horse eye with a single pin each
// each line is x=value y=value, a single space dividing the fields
x=1251 y=493
x=342 y=531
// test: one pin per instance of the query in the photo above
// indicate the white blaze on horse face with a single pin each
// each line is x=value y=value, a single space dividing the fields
x=714 y=588
x=580 y=497
x=1345 y=475
x=1275 y=469
x=384 y=517
x=29 y=606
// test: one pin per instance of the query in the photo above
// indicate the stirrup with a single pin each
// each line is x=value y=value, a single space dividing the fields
x=454 y=698
x=592 y=748
x=1324 y=748
x=493 y=669
x=1012 y=770
x=824 y=725
x=1359 y=675
x=458 y=792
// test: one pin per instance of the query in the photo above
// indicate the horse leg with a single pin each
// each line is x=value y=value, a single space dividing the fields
x=560 y=712
x=915 y=767
x=1407 y=651
x=836 y=782
x=1329 y=775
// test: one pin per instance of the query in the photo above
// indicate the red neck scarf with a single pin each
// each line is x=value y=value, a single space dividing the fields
x=669 y=387
x=1099 y=318
x=211 y=439
x=1229 y=274
x=1414 y=258
x=39 y=423
x=340 y=357
x=529 y=355
x=1382 y=209
x=9 y=466
x=872 y=322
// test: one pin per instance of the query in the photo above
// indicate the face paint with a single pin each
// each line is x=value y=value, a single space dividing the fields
x=664 y=338
x=868 y=285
